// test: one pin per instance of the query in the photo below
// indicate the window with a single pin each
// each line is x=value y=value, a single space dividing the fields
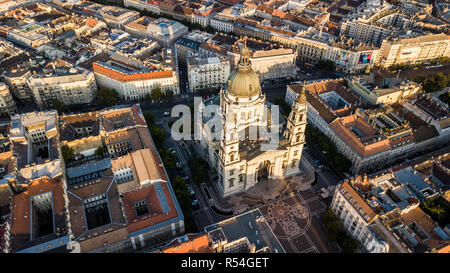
x=231 y=182
x=141 y=207
x=293 y=164
x=231 y=172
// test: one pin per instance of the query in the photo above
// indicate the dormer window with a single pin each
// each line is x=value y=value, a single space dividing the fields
x=118 y=124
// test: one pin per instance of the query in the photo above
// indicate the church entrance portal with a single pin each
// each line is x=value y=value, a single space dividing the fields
x=264 y=170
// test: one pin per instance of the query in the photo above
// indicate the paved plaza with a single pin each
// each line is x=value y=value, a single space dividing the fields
x=295 y=221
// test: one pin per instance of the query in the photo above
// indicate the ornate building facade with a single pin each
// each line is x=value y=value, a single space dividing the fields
x=240 y=155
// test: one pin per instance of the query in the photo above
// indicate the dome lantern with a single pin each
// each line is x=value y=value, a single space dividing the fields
x=243 y=81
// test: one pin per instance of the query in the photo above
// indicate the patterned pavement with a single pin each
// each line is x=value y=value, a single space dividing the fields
x=291 y=220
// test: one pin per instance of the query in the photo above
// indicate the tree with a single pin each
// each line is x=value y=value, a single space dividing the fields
x=156 y=93
x=333 y=225
x=199 y=168
x=433 y=83
x=67 y=153
x=58 y=106
x=285 y=107
x=100 y=150
x=326 y=65
x=438 y=208
x=169 y=94
x=158 y=135
x=149 y=118
x=319 y=140
x=107 y=97
x=445 y=98
x=349 y=244
x=169 y=159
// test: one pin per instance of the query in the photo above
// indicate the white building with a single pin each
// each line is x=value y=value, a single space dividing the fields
x=7 y=105
x=348 y=55
x=205 y=72
x=78 y=87
x=271 y=64
x=162 y=30
x=222 y=23
x=373 y=21
x=17 y=80
x=117 y=17
x=150 y=6
x=361 y=221
x=30 y=35
x=241 y=161
x=412 y=50
x=136 y=81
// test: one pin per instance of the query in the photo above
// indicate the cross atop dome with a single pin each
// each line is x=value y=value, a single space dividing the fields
x=245 y=54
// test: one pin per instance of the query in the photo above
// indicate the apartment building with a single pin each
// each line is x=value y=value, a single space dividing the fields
x=413 y=49
x=373 y=21
x=7 y=104
x=78 y=86
x=349 y=55
x=373 y=138
x=269 y=64
x=382 y=212
x=387 y=94
x=134 y=79
x=30 y=35
x=162 y=30
x=207 y=72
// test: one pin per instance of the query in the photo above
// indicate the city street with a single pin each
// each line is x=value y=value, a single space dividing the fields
x=327 y=176
x=205 y=215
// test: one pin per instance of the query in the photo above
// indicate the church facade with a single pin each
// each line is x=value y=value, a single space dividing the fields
x=240 y=156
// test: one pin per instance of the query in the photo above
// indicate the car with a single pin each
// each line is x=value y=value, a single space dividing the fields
x=321 y=166
x=317 y=161
x=166 y=114
x=195 y=204
x=172 y=150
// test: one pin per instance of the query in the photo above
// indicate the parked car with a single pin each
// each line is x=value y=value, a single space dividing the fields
x=195 y=204
x=166 y=114
x=172 y=150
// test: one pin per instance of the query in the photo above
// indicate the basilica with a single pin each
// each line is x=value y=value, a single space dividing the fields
x=239 y=156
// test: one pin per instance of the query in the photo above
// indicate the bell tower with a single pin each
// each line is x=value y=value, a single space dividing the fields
x=295 y=133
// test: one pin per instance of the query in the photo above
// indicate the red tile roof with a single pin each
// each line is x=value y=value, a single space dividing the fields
x=122 y=77
x=340 y=127
x=195 y=244
x=21 y=214
x=156 y=214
